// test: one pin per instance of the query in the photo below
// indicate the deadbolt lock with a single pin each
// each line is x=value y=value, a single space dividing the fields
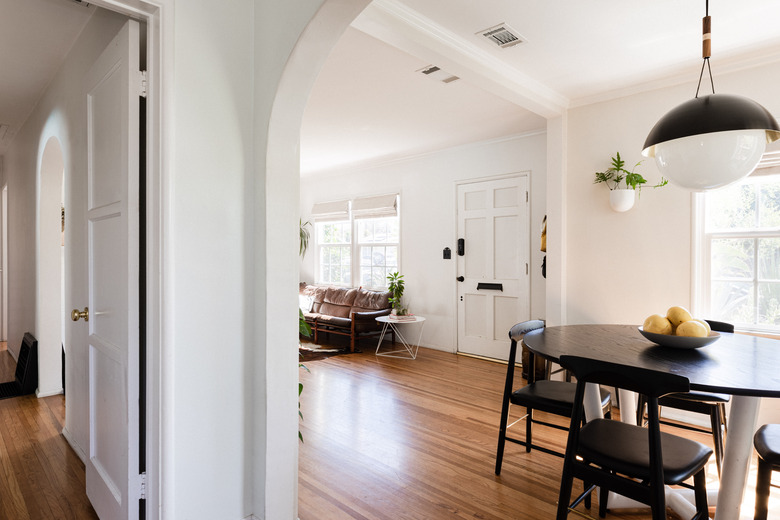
x=76 y=314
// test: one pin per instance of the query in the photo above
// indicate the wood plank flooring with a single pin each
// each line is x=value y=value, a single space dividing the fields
x=40 y=475
x=389 y=439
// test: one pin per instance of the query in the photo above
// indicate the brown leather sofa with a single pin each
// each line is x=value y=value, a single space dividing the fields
x=340 y=310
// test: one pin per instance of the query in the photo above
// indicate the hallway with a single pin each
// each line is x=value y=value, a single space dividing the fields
x=40 y=475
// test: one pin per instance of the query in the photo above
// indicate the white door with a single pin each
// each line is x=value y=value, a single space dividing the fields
x=493 y=273
x=113 y=106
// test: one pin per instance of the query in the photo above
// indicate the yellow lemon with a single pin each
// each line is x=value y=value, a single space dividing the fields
x=677 y=315
x=692 y=328
x=657 y=324
x=706 y=325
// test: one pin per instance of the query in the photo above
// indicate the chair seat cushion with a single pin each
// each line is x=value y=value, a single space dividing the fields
x=767 y=443
x=551 y=396
x=625 y=449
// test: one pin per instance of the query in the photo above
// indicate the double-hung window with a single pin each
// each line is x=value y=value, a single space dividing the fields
x=357 y=242
x=739 y=267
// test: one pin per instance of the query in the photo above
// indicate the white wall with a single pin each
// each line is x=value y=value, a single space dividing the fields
x=427 y=185
x=622 y=267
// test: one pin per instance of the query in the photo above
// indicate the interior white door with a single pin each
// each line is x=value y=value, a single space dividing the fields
x=112 y=91
x=493 y=273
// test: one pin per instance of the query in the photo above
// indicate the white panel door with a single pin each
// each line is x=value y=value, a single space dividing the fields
x=493 y=275
x=113 y=105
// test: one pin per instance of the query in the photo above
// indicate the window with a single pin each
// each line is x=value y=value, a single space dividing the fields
x=366 y=229
x=740 y=252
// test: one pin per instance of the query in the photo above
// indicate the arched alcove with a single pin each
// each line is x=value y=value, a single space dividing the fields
x=49 y=268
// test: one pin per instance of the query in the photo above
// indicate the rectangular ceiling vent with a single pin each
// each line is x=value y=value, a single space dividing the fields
x=432 y=71
x=502 y=36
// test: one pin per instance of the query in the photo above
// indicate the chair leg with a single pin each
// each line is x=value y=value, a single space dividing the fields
x=658 y=504
x=603 y=499
x=762 y=489
x=716 y=422
x=501 y=438
x=528 y=421
x=640 y=411
x=700 y=491
x=564 y=496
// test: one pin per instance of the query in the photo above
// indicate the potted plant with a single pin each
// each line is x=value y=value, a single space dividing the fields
x=622 y=183
x=395 y=284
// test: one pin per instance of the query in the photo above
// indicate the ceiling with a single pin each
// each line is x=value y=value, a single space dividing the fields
x=371 y=104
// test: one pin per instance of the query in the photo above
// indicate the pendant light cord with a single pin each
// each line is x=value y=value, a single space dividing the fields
x=706 y=47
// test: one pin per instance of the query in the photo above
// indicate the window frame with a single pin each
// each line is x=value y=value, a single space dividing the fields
x=702 y=255
x=355 y=247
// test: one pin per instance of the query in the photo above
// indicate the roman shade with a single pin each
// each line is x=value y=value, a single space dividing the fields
x=335 y=210
x=374 y=207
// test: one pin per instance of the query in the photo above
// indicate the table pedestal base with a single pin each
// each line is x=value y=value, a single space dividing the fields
x=409 y=351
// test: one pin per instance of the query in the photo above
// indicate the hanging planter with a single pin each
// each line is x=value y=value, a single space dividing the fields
x=623 y=184
x=622 y=199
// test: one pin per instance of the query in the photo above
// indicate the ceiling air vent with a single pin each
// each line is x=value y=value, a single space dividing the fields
x=502 y=36
x=432 y=71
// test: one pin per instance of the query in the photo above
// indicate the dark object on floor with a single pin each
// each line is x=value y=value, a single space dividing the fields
x=767 y=444
x=624 y=458
x=26 y=380
x=555 y=397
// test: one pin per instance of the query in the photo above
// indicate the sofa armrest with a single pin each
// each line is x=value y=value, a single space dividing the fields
x=369 y=315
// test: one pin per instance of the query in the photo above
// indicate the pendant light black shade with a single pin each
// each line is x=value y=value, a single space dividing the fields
x=713 y=113
x=710 y=141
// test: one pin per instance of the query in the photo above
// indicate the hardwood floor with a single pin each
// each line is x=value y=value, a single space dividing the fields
x=388 y=439
x=40 y=475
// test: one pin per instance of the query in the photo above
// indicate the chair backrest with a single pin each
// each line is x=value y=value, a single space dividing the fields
x=720 y=326
x=648 y=382
x=517 y=332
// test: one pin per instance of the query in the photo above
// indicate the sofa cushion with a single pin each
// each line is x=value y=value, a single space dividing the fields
x=371 y=301
x=334 y=321
x=340 y=296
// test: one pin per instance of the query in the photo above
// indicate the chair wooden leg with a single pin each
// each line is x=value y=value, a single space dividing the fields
x=700 y=491
x=603 y=501
x=640 y=411
x=564 y=496
x=528 y=422
x=501 y=438
x=716 y=422
x=763 y=479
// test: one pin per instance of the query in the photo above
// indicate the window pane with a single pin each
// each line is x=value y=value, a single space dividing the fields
x=769 y=304
x=769 y=209
x=769 y=259
x=733 y=207
x=378 y=256
x=365 y=276
x=391 y=256
x=365 y=255
x=733 y=302
x=732 y=258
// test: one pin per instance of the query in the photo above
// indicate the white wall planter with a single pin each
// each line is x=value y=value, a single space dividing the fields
x=622 y=200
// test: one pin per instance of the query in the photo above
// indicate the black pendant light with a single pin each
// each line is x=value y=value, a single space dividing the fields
x=713 y=140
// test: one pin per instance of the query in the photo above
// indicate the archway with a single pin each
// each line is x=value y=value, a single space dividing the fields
x=49 y=268
x=281 y=192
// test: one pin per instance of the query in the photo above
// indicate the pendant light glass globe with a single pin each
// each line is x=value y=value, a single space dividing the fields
x=709 y=161
x=711 y=141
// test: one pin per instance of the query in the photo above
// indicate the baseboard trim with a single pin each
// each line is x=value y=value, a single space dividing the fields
x=73 y=444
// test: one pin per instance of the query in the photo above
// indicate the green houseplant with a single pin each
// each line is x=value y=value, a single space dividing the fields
x=623 y=183
x=395 y=284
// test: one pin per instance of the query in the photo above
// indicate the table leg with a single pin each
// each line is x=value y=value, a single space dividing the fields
x=736 y=459
x=381 y=337
x=409 y=349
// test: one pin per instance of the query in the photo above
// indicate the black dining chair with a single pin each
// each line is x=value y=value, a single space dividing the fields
x=706 y=403
x=767 y=444
x=554 y=397
x=630 y=460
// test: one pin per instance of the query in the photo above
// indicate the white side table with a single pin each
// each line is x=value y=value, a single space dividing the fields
x=409 y=351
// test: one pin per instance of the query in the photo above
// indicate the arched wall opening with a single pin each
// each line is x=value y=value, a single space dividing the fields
x=50 y=247
x=277 y=464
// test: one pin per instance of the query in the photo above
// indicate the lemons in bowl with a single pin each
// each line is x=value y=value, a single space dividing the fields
x=678 y=328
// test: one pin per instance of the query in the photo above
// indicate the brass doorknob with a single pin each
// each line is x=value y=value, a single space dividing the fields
x=76 y=314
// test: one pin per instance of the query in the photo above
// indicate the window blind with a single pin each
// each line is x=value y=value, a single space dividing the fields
x=374 y=207
x=335 y=210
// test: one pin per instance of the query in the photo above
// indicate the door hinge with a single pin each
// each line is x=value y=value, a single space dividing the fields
x=526 y=268
x=142 y=83
x=142 y=485
x=526 y=197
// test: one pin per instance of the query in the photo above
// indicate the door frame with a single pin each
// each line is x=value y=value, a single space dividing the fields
x=157 y=16
x=455 y=187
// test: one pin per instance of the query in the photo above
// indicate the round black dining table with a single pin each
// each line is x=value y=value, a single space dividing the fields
x=744 y=366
